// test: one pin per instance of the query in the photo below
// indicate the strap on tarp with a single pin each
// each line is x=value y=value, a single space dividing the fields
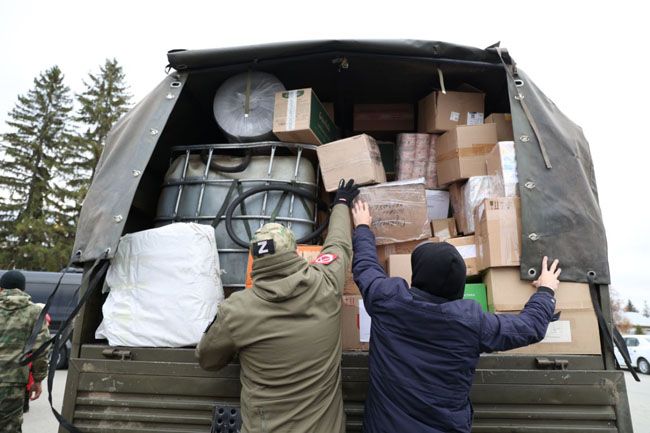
x=611 y=335
x=91 y=282
x=520 y=97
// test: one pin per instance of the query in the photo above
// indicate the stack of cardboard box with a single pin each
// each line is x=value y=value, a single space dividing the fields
x=470 y=163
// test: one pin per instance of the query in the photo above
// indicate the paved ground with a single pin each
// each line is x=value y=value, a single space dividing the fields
x=40 y=419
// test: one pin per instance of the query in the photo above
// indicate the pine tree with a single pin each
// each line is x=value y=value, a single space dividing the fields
x=103 y=102
x=646 y=309
x=36 y=229
x=630 y=308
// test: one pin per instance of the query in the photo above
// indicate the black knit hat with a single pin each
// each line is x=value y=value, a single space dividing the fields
x=12 y=280
x=439 y=269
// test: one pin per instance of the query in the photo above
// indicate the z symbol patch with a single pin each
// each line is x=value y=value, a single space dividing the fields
x=325 y=259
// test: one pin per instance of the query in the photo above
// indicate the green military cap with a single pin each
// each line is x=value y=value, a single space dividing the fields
x=272 y=238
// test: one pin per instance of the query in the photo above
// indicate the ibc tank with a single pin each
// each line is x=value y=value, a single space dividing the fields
x=190 y=193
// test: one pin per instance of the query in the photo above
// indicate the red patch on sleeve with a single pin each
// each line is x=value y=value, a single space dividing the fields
x=324 y=259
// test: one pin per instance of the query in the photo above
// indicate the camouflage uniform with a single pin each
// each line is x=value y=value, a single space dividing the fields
x=17 y=317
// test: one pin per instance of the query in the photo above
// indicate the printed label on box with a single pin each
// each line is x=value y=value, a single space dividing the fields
x=292 y=103
x=364 y=323
x=467 y=251
x=474 y=118
x=454 y=116
x=558 y=332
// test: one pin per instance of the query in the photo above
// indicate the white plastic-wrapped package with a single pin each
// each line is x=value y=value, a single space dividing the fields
x=165 y=286
x=437 y=204
x=502 y=165
x=243 y=106
x=431 y=175
x=465 y=199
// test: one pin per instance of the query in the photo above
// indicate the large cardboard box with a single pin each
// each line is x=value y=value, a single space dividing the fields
x=501 y=164
x=299 y=117
x=575 y=333
x=355 y=158
x=460 y=153
x=466 y=197
x=399 y=265
x=355 y=324
x=466 y=246
x=498 y=232
x=504 y=125
x=399 y=211
x=507 y=292
x=444 y=229
x=384 y=251
x=476 y=292
x=440 y=112
x=383 y=117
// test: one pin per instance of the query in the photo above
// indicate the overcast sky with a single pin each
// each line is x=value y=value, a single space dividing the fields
x=592 y=61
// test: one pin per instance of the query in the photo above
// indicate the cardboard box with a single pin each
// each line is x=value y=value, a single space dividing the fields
x=575 y=333
x=399 y=211
x=504 y=125
x=460 y=153
x=299 y=117
x=478 y=293
x=350 y=287
x=444 y=228
x=439 y=112
x=383 y=117
x=384 y=251
x=437 y=204
x=498 y=232
x=501 y=164
x=355 y=158
x=466 y=197
x=399 y=265
x=355 y=324
x=507 y=292
x=466 y=246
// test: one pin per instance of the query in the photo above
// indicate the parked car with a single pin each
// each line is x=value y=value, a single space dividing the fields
x=639 y=348
x=39 y=285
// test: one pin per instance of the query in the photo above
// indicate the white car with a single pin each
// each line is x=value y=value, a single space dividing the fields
x=639 y=348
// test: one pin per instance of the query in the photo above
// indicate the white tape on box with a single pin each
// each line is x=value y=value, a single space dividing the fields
x=292 y=103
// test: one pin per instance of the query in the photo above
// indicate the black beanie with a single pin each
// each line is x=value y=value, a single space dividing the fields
x=12 y=280
x=439 y=269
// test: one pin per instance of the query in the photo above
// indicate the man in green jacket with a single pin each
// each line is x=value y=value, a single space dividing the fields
x=17 y=318
x=287 y=330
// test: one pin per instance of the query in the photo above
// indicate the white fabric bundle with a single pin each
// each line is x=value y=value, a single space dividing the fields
x=242 y=123
x=165 y=286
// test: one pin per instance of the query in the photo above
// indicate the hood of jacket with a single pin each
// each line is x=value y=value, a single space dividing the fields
x=14 y=299
x=283 y=276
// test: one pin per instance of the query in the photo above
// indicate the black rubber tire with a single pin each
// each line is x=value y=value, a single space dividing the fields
x=273 y=187
x=643 y=366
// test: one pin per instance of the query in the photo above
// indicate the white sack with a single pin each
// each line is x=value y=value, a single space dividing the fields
x=165 y=286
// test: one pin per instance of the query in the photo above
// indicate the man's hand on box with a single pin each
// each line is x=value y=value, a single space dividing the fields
x=549 y=276
x=346 y=193
x=361 y=214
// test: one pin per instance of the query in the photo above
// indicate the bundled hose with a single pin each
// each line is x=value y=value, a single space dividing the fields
x=287 y=189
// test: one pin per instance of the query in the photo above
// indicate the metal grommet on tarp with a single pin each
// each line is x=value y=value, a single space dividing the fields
x=532 y=272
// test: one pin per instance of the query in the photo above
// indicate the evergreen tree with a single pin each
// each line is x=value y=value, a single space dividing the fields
x=36 y=228
x=103 y=102
x=630 y=308
x=638 y=330
x=646 y=309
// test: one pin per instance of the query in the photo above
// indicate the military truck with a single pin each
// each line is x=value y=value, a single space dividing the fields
x=129 y=389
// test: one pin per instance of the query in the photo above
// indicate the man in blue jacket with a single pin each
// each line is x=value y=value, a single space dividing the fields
x=425 y=340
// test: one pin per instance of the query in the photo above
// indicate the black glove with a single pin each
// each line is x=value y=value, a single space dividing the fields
x=346 y=193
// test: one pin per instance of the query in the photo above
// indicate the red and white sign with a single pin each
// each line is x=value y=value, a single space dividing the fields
x=325 y=259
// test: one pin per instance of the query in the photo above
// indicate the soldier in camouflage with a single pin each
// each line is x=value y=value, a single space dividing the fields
x=17 y=318
x=287 y=330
